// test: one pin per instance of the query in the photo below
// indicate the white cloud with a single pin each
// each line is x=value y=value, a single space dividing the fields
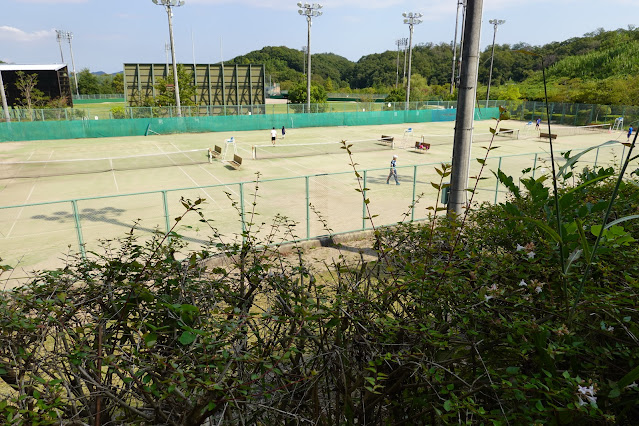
x=13 y=34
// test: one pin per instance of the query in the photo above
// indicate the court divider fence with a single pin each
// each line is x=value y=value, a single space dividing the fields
x=49 y=130
x=34 y=236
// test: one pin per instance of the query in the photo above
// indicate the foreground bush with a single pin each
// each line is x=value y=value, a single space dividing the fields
x=477 y=324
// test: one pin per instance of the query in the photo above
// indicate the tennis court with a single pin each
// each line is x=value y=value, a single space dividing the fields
x=35 y=236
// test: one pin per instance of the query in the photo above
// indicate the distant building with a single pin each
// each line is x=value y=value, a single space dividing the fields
x=53 y=81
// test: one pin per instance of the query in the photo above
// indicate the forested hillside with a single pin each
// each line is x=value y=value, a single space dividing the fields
x=600 y=67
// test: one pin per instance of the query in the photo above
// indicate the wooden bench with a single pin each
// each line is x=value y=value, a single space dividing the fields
x=421 y=146
x=387 y=139
x=214 y=153
x=547 y=135
x=237 y=162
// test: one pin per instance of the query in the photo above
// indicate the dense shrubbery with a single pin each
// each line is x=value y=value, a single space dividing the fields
x=492 y=320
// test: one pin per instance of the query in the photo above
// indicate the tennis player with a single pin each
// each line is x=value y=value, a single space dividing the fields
x=393 y=170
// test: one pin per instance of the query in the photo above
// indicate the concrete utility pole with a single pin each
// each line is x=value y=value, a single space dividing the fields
x=5 y=108
x=169 y=4
x=495 y=23
x=465 y=109
x=310 y=11
x=411 y=19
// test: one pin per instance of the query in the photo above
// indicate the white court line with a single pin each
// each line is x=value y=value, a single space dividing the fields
x=28 y=198
x=117 y=187
x=193 y=180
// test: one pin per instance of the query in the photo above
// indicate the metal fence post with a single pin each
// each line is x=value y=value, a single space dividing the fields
x=497 y=179
x=412 y=213
x=364 y=203
x=78 y=228
x=308 y=208
x=596 y=158
x=622 y=154
x=534 y=167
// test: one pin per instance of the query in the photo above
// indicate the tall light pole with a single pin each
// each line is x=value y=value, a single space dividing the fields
x=69 y=37
x=59 y=35
x=304 y=59
x=452 y=75
x=495 y=23
x=402 y=42
x=309 y=10
x=167 y=49
x=461 y=43
x=169 y=4
x=411 y=19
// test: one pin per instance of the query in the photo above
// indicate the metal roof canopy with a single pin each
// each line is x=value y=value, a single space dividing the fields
x=22 y=67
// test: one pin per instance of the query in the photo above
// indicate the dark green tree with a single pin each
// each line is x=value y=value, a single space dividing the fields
x=165 y=88
x=88 y=83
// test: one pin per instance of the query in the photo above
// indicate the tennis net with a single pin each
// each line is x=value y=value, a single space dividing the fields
x=477 y=137
x=309 y=149
x=579 y=130
x=34 y=169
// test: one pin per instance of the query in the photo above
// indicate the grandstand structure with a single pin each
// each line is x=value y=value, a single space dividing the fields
x=216 y=84
x=53 y=81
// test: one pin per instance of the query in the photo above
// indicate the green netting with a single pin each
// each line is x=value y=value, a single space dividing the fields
x=48 y=130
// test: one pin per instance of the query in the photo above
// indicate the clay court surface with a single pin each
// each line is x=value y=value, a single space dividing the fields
x=37 y=236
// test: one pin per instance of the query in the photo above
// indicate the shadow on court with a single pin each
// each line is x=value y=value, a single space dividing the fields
x=104 y=215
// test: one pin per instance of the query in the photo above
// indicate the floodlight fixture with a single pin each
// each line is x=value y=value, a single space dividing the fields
x=169 y=4
x=411 y=19
x=495 y=23
x=310 y=11
x=59 y=36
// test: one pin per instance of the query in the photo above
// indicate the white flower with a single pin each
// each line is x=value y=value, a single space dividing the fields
x=531 y=254
x=523 y=283
x=611 y=329
x=588 y=391
x=493 y=287
x=487 y=297
x=520 y=247
x=632 y=385
x=538 y=289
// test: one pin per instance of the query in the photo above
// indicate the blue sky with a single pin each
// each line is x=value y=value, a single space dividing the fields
x=108 y=33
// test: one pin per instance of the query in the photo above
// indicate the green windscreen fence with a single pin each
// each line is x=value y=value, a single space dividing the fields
x=48 y=130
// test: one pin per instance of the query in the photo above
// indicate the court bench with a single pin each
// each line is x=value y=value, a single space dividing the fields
x=236 y=162
x=217 y=151
x=421 y=146
x=387 y=139
x=547 y=135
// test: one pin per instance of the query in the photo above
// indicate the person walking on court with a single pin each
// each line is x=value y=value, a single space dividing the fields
x=393 y=170
x=273 y=135
x=629 y=133
x=283 y=132
x=537 y=123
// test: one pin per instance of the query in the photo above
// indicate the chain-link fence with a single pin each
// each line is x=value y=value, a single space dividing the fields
x=37 y=235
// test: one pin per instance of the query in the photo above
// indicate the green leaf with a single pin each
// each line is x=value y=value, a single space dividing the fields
x=447 y=405
x=544 y=227
x=572 y=160
x=150 y=339
x=512 y=370
x=614 y=393
x=187 y=338
x=629 y=378
x=623 y=219
x=539 y=406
